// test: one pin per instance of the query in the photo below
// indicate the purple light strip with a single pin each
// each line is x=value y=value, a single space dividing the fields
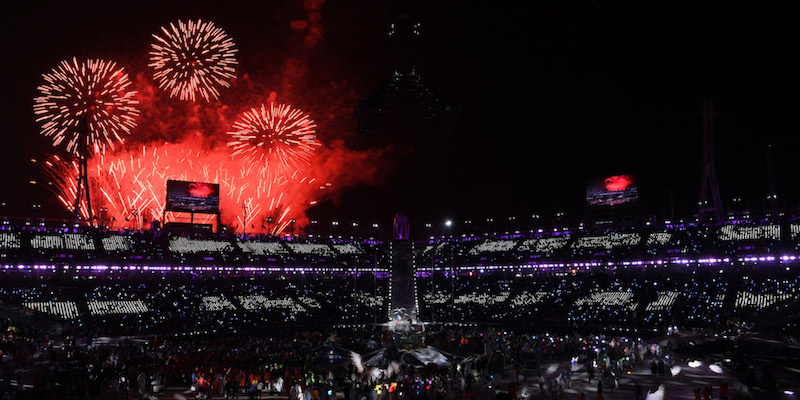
x=166 y=268
x=785 y=259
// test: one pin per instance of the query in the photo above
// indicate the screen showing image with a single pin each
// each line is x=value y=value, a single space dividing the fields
x=612 y=190
x=199 y=197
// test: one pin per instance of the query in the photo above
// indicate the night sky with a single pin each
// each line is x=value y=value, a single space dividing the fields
x=550 y=95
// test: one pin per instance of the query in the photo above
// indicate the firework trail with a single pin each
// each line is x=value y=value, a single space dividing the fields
x=61 y=174
x=96 y=90
x=193 y=59
x=276 y=137
x=133 y=184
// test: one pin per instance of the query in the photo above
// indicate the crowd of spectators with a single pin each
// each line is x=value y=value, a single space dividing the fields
x=270 y=318
x=733 y=240
x=332 y=363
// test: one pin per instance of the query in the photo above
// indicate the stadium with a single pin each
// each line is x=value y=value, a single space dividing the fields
x=188 y=187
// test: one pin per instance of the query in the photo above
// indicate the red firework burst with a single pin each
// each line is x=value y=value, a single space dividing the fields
x=132 y=186
x=277 y=137
x=93 y=89
x=193 y=59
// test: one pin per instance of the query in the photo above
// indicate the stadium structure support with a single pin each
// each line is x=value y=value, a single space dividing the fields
x=403 y=281
x=82 y=189
x=772 y=196
x=708 y=182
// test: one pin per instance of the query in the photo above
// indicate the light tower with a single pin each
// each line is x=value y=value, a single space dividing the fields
x=772 y=196
x=82 y=189
x=709 y=182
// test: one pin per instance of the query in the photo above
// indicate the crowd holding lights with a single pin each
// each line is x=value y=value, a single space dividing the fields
x=260 y=302
x=608 y=241
x=311 y=249
x=436 y=298
x=759 y=301
x=77 y=241
x=217 y=303
x=346 y=248
x=544 y=245
x=491 y=246
x=294 y=277
x=369 y=300
x=607 y=299
x=482 y=299
x=117 y=307
x=663 y=302
x=263 y=248
x=116 y=243
x=649 y=298
x=162 y=305
x=285 y=363
x=9 y=240
x=658 y=238
x=794 y=231
x=746 y=232
x=60 y=309
x=185 y=245
x=47 y=242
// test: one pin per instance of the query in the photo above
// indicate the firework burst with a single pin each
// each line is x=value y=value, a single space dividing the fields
x=277 y=137
x=94 y=90
x=131 y=186
x=193 y=59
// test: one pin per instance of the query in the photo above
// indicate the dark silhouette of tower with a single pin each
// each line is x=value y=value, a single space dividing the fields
x=709 y=181
x=772 y=195
x=403 y=102
x=403 y=289
x=82 y=189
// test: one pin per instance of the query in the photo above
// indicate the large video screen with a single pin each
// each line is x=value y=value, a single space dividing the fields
x=612 y=190
x=199 y=197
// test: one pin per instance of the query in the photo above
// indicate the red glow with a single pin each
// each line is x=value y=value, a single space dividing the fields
x=186 y=141
x=198 y=189
x=618 y=182
x=133 y=184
